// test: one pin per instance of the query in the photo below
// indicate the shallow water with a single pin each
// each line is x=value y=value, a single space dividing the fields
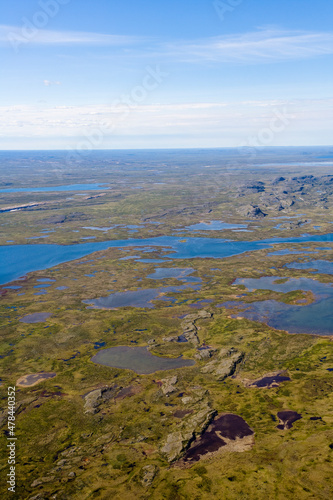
x=36 y=318
x=286 y=251
x=320 y=266
x=18 y=260
x=138 y=359
x=138 y=298
x=315 y=318
x=290 y=285
x=214 y=225
x=171 y=272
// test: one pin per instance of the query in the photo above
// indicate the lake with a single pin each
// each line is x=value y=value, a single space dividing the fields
x=18 y=260
x=138 y=359
x=70 y=187
x=214 y=225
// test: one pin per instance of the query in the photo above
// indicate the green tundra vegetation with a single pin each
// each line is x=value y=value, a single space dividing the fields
x=89 y=431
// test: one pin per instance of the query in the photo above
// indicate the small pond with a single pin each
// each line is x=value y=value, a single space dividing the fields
x=35 y=318
x=214 y=225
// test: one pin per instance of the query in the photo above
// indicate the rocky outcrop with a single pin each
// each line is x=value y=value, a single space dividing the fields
x=225 y=365
x=98 y=396
x=148 y=473
x=190 y=331
x=42 y=480
x=278 y=180
x=284 y=193
x=204 y=354
x=252 y=211
x=178 y=442
x=195 y=418
x=293 y=224
x=228 y=432
x=259 y=187
x=170 y=339
x=168 y=385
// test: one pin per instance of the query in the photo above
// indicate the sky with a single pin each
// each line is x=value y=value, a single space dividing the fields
x=105 y=74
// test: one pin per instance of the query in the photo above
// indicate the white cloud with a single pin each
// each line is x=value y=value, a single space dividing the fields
x=221 y=123
x=34 y=35
x=261 y=46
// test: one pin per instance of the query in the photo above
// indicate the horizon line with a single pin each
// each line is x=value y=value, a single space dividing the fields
x=169 y=148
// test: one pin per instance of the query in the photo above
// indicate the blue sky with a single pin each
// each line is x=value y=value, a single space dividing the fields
x=81 y=74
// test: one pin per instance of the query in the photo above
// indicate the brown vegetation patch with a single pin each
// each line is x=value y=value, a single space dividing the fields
x=227 y=431
x=272 y=379
x=33 y=379
x=127 y=392
x=182 y=413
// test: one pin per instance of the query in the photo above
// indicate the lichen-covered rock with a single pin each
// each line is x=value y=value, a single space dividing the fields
x=98 y=396
x=42 y=480
x=178 y=442
x=225 y=365
x=70 y=451
x=148 y=473
x=253 y=211
x=168 y=385
x=228 y=366
x=92 y=401
x=174 y=446
x=204 y=354
x=190 y=331
x=170 y=339
x=197 y=422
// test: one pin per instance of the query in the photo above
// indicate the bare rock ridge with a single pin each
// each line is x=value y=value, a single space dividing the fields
x=225 y=364
x=190 y=330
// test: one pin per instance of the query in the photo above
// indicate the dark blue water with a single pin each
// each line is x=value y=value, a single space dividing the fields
x=17 y=260
x=70 y=187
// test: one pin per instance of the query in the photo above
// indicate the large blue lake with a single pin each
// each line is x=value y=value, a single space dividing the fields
x=70 y=187
x=17 y=260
